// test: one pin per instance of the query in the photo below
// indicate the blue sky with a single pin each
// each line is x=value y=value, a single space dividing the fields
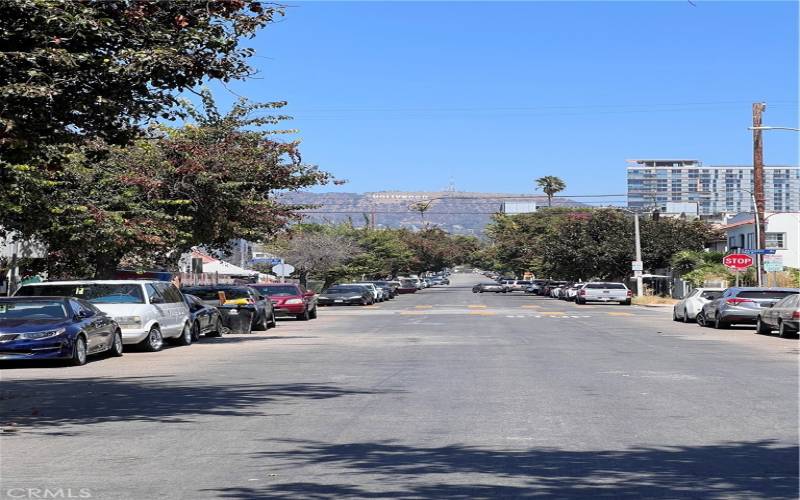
x=409 y=95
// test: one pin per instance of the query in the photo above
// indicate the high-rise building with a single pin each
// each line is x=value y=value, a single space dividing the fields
x=716 y=189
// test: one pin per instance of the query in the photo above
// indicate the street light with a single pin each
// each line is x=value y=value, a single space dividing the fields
x=765 y=127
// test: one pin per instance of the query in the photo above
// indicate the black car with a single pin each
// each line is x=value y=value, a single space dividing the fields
x=345 y=295
x=206 y=319
x=242 y=308
x=55 y=328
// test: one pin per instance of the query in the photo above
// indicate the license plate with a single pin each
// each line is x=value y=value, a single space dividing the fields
x=605 y=291
x=233 y=311
x=338 y=301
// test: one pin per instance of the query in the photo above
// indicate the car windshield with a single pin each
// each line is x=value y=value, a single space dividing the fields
x=33 y=309
x=764 y=294
x=96 y=293
x=711 y=295
x=278 y=290
x=344 y=289
x=213 y=293
x=606 y=286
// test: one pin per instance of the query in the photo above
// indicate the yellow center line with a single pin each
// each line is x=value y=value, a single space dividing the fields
x=531 y=306
x=619 y=314
x=476 y=306
x=423 y=307
x=482 y=313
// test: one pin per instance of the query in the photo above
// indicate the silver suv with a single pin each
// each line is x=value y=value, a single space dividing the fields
x=604 y=292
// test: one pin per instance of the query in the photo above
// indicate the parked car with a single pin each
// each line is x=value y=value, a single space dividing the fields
x=205 y=319
x=571 y=292
x=148 y=312
x=55 y=328
x=604 y=292
x=243 y=308
x=518 y=285
x=784 y=316
x=377 y=293
x=346 y=295
x=547 y=289
x=290 y=300
x=739 y=305
x=389 y=288
x=687 y=308
x=536 y=286
x=407 y=286
x=490 y=287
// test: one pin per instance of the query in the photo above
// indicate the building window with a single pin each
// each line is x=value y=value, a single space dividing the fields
x=776 y=240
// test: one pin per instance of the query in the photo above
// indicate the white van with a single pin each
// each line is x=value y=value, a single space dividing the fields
x=147 y=311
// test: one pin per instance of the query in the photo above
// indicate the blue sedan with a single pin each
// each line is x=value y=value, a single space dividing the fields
x=55 y=328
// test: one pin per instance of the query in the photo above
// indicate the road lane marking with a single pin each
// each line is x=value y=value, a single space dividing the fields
x=412 y=313
x=530 y=306
x=552 y=312
x=423 y=307
x=476 y=306
x=619 y=314
x=482 y=313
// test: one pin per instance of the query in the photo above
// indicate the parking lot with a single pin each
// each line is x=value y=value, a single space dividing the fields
x=439 y=394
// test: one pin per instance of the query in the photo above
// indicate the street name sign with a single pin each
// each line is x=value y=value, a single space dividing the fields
x=758 y=251
x=283 y=270
x=737 y=261
x=637 y=265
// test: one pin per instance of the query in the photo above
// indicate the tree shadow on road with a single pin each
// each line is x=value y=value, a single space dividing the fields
x=386 y=469
x=79 y=401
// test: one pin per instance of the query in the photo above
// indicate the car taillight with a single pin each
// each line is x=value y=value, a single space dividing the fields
x=630 y=293
x=582 y=292
x=735 y=301
x=796 y=315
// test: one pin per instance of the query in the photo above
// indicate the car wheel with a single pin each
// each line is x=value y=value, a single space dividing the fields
x=762 y=328
x=303 y=316
x=195 y=331
x=313 y=313
x=719 y=324
x=783 y=332
x=273 y=321
x=675 y=315
x=79 y=352
x=217 y=332
x=116 y=345
x=686 y=318
x=154 y=342
x=701 y=319
x=261 y=323
x=186 y=336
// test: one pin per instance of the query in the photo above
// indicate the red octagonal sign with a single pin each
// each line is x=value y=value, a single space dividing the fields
x=737 y=261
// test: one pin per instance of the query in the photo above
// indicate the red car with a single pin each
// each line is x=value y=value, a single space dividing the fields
x=289 y=299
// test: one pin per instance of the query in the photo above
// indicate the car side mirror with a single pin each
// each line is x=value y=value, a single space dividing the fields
x=157 y=300
x=309 y=293
x=85 y=314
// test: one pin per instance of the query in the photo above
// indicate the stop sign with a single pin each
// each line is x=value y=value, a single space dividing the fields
x=737 y=261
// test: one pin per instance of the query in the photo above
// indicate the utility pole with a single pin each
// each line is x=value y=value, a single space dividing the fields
x=639 y=281
x=758 y=181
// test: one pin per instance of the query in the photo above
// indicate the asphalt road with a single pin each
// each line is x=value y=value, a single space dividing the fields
x=443 y=394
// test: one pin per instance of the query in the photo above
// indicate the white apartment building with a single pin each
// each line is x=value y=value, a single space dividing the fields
x=782 y=234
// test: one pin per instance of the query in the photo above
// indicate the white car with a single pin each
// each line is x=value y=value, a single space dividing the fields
x=377 y=293
x=687 y=308
x=147 y=311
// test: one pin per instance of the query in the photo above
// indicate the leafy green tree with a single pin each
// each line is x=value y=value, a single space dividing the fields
x=204 y=184
x=78 y=72
x=551 y=185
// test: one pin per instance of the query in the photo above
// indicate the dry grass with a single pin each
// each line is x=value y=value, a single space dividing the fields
x=651 y=300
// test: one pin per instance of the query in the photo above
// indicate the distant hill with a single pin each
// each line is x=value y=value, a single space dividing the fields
x=455 y=212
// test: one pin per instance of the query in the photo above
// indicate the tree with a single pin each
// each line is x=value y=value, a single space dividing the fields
x=206 y=183
x=316 y=250
x=75 y=72
x=551 y=185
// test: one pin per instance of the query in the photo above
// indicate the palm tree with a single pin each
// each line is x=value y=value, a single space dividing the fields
x=551 y=185
x=422 y=207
